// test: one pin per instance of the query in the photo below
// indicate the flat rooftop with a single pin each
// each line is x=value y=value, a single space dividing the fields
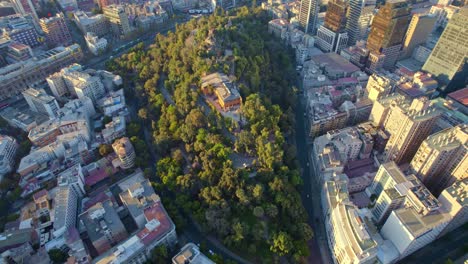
x=460 y=96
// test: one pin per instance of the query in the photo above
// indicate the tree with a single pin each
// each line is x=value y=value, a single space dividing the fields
x=258 y=211
x=281 y=243
x=159 y=255
x=57 y=256
x=105 y=149
x=143 y=113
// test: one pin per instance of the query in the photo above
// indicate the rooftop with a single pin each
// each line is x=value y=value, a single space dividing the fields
x=460 y=96
x=61 y=202
x=158 y=224
x=334 y=62
x=418 y=224
x=100 y=219
x=139 y=196
x=459 y=191
x=15 y=238
x=190 y=254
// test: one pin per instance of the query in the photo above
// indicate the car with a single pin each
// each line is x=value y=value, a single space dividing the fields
x=211 y=252
x=307 y=164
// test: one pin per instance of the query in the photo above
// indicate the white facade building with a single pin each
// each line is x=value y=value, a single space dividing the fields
x=8 y=147
x=39 y=101
x=74 y=178
x=95 y=44
x=65 y=207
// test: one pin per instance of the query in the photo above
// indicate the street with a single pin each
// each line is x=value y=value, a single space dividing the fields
x=311 y=190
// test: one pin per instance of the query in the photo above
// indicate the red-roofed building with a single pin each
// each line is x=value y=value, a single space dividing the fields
x=158 y=230
x=159 y=227
x=460 y=99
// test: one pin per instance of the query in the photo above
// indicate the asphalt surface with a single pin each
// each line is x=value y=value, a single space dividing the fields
x=319 y=252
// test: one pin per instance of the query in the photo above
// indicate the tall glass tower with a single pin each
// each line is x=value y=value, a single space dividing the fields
x=308 y=15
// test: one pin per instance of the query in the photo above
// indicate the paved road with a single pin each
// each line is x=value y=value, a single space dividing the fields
x=311 y=190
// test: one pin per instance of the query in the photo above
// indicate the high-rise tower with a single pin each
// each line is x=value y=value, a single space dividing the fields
x=450 y=54
x=332 y=36
x=420 y=27
x=442 y=158
x=308 y=15
x=360 y=14
x=386 y=35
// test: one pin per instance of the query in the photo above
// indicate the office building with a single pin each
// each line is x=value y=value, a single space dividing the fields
x=17 y=77
x=190 y=254
x=103 y=226
x=22 y=30
x=118 y=19
x=125 y=152
x=96 y=24
x=419 y=29
x=349 y=238
x=359 y=18
x=454 y=200
x=56 y=31
x=308 y=15
x=386 y=35
x=39 y=101
x=66 y=206
x=74 y=178
x=8 y=147
x=137 y=197
x=448 y=58
x=407 y=123
x=95 y=44
x=442 y=158
x=332 y=36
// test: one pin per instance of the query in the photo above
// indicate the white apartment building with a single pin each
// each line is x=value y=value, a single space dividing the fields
x=39 y=101
x=379 y=85
x=387 y=177
x=65 y=208
x=416 y=225
x=74 y=178
x=95 y=44
x=408 y=123
x=85 y=85
x=442 y=158
x=454 y=200
x=125 y=152
x=348 y=236
x=57 y=83
x=96 y=24
x=8 y=147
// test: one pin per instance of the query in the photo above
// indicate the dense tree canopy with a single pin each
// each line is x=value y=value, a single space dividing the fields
x=256 y=210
